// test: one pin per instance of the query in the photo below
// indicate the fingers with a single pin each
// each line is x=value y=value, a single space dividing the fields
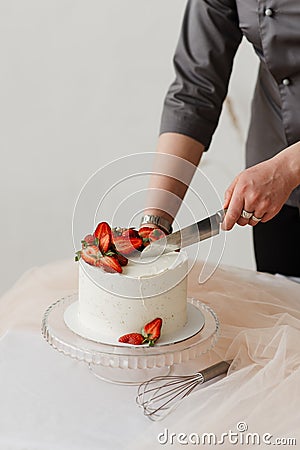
x=236 y=206
x=238 y=199
x=242 y=221
x=270 y=214
x=234 y=210
x=256 y=195
x=264 y=211
x=257 y=216
x=256 y=213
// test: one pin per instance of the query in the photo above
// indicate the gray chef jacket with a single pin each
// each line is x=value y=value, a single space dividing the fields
x=211 y=33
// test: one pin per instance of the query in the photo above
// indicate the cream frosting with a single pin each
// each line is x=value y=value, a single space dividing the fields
x=116 y=304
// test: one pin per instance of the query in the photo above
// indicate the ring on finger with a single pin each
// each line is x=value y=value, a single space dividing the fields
x=256 y=219
x=246 y=215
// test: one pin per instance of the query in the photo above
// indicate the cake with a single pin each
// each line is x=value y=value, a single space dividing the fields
x=119 y=292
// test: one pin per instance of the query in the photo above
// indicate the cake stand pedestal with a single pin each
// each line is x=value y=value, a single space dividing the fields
x=124 y=364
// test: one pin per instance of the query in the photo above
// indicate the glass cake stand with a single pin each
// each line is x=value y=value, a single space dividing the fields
x=124 y=364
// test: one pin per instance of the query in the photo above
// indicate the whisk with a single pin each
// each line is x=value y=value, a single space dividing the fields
x=159 y=395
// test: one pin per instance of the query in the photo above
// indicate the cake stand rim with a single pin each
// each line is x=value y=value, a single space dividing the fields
x=106 y=354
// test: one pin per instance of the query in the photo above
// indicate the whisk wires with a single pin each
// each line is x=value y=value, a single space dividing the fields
x=159 y=395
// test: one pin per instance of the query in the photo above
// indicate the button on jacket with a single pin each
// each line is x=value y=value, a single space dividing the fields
x=211 y=33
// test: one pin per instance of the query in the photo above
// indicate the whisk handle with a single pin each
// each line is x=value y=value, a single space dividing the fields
x=214 y=371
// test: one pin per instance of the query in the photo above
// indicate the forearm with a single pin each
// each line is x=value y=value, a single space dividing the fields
x=175 y=175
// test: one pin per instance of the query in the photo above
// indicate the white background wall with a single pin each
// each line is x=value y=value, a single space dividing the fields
x=82 y=83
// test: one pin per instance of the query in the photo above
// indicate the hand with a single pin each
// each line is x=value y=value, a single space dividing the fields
x=261 y=190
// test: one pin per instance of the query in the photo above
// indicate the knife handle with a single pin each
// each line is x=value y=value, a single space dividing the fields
x=208 y=227
x=221 y=214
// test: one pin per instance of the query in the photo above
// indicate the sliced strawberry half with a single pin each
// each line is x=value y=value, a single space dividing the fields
x=127 y=246
x=151 y=331
x=90 y=254
x=104 y=235
x=149 y=235
x=132 y=338
x=109 y=264
x=145 y=231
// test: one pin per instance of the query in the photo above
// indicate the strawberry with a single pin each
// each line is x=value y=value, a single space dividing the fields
x=90 y=239
x=90 y=255
x=127 y=246
x=130 y=233
x=149 y=235
x=151 y=331
x=156 y=234
x=132 y=338
x=109 y=264
x=122 y=259
x=103 y=233
x=145 y=231
x=144 y=234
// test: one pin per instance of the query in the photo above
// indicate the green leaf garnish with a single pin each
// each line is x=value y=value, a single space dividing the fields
x=78 y=256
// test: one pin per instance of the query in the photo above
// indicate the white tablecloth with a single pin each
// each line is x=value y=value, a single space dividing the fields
x=49 y=401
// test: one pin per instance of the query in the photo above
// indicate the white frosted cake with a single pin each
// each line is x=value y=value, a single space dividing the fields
x=118 y=303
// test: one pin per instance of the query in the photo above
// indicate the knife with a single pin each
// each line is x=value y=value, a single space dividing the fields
x=199 y=231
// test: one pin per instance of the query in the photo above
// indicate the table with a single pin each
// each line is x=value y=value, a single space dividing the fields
x=49 y=401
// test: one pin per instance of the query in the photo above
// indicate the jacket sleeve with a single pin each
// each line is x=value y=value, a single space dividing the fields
x=203 y=60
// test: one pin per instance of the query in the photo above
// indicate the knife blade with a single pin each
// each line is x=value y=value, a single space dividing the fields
x=199 y=231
